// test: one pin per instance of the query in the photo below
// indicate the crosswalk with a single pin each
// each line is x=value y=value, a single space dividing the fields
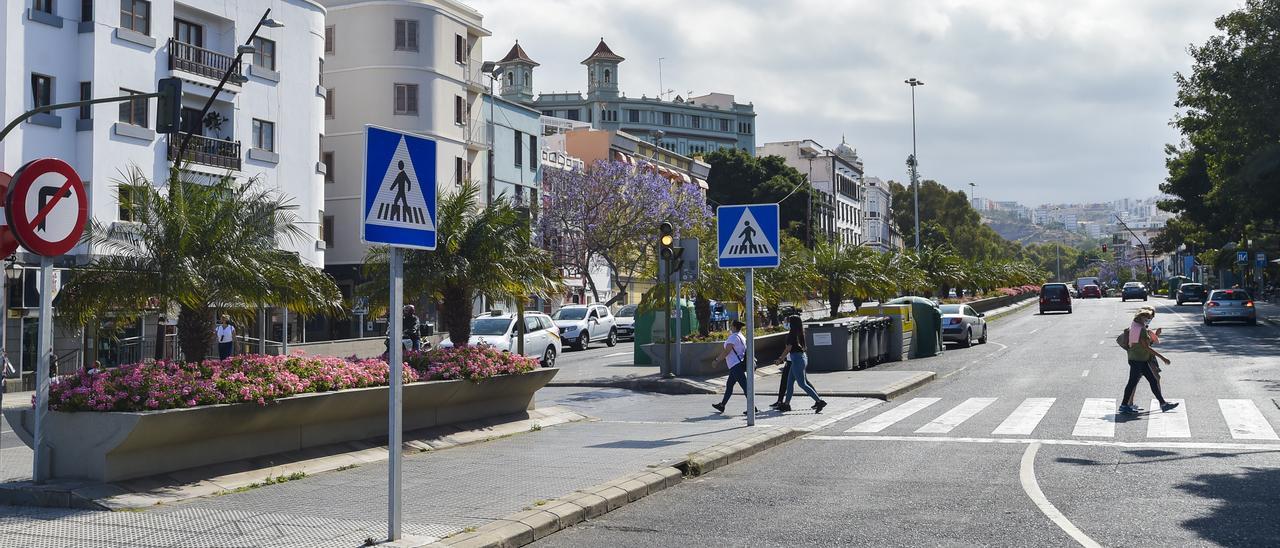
x=1095 y=418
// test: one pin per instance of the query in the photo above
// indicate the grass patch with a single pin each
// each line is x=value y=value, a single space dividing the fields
x=270 y=480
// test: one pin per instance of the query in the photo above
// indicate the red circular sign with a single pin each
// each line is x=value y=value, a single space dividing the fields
x=8 y=243
x=46 y=207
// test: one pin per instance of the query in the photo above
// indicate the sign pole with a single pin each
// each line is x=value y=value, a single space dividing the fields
x=40 y=465
x=396 y=369
x=751 y=348
x=679 y=320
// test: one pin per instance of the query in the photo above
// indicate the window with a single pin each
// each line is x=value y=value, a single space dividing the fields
x=86 y=93
x=633 y=116
x=548 y=113
x=43 y=5
x=459 y=170
x=406 y=99
x=127 y=208
x=329 y=39
x=459 y=110
x=133 y=111
x=41 y=90
x=326 y=230
x=511 y=78
x=609 y=116
x=329 y=96
x=607 y=76
x=519 y=149
x=406 y=35
x=326 y=158
x=460 y=52
x=531 y=324
x=135 y=15
x=666 y=118
x=190 y=121
x=744 y=128
x=573 y=114
x=264 y=135
x=697 y=122
x=533 y=152
x=86 y=10
x=724 y=125
x=264 y=54
x=188 y=33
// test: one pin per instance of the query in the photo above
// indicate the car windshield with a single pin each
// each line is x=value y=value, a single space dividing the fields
x=490 y=326
x=1133 y=284
x=1053 y=289
x=950 y=309
x=1235 y=295
x=570 y=314
x=1191 y=287
x=626 y=311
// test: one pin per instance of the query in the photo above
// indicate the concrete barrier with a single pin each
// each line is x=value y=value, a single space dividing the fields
x=115 y=446
x=698 y=359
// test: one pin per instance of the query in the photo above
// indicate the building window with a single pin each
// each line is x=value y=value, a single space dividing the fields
x=326 y=230
x=459 y=170
x=460 y=52
x=696 y=121
x=608 y=76
x=519 y=149
x=86 y=93
x=326 y=158
x=188 y=33
x=572 y=114
x=724 y=125
x=133 y=111
x=633 y=116
x=406 y=99
x=264 y=54
x=43 y=5
x=126 y=206
x=330 y=39
x=330 y=95
x=533 y=152
x=744 y=128
x=86 y=10
x=666 y=118
x=264 y=135
x=135 y=15
x=459 y=110
x=406 y=35
x=41 y=90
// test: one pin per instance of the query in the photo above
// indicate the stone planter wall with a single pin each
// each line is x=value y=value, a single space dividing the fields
x=698 y=359
x=123 y=445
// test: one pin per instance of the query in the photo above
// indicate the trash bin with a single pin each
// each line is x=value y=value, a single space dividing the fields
x=927 y=339
x=898 y=331
x=832 y=345
x=862 y=330
x=875 y=329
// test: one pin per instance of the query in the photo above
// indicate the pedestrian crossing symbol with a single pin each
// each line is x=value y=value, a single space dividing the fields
x=748 y=236
x=399 y=199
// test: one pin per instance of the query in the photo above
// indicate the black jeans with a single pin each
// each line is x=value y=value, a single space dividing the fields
x=224 y=350
x=782 y=383
x=737 y=375
x=1138 y=370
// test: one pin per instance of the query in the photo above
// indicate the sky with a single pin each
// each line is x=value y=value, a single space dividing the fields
x=1036 y=101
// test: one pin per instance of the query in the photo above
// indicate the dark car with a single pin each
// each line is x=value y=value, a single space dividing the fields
x=1090 y=292
x=1190 y=292
x=1055 y=297
x=1133 y=290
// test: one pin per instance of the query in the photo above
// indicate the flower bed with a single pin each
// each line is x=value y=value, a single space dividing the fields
x=262 y=379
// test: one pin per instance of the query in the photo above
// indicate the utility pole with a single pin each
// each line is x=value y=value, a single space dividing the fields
x=915 y=175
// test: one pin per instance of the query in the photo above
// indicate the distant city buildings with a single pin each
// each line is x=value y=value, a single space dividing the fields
x=878 y=231
x=837 y=175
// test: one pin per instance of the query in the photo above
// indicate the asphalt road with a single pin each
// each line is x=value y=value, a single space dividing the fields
x=1016 y=444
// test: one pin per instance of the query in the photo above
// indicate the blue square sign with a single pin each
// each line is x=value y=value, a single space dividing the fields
x=398 y=198
x=748 y=236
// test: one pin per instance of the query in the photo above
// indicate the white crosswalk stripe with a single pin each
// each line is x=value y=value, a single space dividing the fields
x=1097 y=418
x=955 y=416
x=1246 y=421
x=892 y=416
x=1168 y=424
x=1024 y=419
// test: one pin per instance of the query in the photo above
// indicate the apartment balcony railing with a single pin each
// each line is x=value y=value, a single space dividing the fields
x=207 y=151
x=197 y=60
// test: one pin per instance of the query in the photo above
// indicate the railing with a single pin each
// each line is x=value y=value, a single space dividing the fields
x=208 y=151
x=197 y=60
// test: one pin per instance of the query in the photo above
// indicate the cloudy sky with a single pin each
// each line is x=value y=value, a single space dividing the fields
x=1033 y=100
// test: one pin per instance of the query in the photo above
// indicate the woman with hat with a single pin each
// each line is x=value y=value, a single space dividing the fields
x=734 y=355
x=1141 y=361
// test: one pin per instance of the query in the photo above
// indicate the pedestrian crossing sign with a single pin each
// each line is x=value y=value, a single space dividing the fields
x=748 y=236
x=398 y=202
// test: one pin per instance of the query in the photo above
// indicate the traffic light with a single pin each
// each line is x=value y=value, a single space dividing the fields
x=169 y=105
x=1104 y=248
x=666 y=241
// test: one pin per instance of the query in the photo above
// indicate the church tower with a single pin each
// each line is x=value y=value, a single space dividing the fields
x=517 y=75
x=602 y=73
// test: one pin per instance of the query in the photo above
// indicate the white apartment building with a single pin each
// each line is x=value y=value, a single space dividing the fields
x=836 y=174
x=411 y=65
x=877 y=231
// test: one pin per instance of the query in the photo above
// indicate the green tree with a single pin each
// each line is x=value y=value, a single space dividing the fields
x=197 y=247
x=844 y=272
x=739 y=178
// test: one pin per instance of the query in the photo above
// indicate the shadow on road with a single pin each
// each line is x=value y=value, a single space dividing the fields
x=1245 y=511
x=1148 y=456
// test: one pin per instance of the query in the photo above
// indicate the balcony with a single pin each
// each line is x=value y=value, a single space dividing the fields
x=207 y=151
x=202 y=62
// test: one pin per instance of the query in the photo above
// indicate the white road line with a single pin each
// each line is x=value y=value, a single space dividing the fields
x=1246 y=421
x=1084 y=373
x=1027 y=476
x=1094 y=356
x=1097 y=418
x=1033 y=331
x=1103 y=341
x=962 y=368
x=888 y=418
x=616 y=354
x=1190 y=445
x=1024 y=419
x=1170 y=424
x=957 y=415
x=842 y=415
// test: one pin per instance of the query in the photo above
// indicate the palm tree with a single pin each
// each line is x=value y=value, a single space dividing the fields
x=845 y=271
x=196 y=246
x=479 y=251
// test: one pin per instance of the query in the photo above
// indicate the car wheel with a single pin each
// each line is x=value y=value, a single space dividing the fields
x=1068 y=311
x=1207 y=321
x=613 y=338
x=1041 y=311
x=983 y=340
x=1144 y=299
x=968 y=339
x=549 y=357
x=1179 y=303
x=1253 y=321
x=583 y=342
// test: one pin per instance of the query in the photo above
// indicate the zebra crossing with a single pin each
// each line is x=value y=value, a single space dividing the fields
x=1095 y=418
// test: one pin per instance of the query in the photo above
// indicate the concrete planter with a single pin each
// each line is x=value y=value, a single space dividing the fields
x=698 y=359
x=124 y=445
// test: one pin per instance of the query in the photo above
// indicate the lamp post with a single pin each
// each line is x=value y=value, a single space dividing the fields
x=915 y=179
x=1146 y=259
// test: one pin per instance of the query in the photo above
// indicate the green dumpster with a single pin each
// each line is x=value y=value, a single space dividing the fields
x=927 y=340
x=650 y=329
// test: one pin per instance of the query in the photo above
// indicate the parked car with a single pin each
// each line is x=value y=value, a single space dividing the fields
x=625 y=320
x=962 y=324
x=1090 y=292
x=499 y=330
x=1133 y=290
x=1055 y=297
x=580 y=324
x=1190 y=292
x=1230 y=305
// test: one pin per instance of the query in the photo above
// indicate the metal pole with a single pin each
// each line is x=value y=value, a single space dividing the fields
x=679 y=319
x=666 y=282
x=284 y=331
x=40 y=464
x=751 y=348
x=915 y=169
x=361 y=316
x=262 y=330
x=1057 y=250
x=395 y=366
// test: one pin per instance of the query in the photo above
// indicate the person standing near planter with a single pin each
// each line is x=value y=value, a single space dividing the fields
x=795 y=347
x=734 y=354
x=226 y=333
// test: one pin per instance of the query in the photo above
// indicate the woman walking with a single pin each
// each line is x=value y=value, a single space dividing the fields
x=734 y=355
x=226 y=333
x=795 y=351
x=1142 y=361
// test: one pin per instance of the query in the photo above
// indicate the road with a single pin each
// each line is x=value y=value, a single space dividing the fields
x=1016 y=444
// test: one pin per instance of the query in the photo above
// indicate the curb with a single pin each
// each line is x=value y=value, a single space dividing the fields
x=556 y=515
x=675 y=387
x=995 y=315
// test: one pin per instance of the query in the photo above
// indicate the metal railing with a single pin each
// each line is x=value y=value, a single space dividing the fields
x=208 y=151
x=197 y=60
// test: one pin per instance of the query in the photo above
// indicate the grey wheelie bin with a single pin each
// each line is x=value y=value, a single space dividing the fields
x=832 y=345
x=862 y=330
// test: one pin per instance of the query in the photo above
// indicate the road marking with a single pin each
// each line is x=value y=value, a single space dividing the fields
x=1033 y=331
x=842 y=415
x=1170 y=424
x=1246 y=421
x=1103 y=341
x=957 y=415
x=1027 y=476
x=1097 y=418
x=962 y=368
x=1094 y=356
x=888 y=418
x=616 y=354
x=1191 y=445
x=1084 y=373
x=1025 y=418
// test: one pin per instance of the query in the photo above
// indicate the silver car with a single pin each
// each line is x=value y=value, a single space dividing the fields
x=1230 y=305
x=541 y=337
x=580 y=324
x=962 y=324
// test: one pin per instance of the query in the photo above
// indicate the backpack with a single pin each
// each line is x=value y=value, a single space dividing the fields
x=1123 y=339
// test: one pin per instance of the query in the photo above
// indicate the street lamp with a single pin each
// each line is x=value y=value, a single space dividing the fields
x=915 y=179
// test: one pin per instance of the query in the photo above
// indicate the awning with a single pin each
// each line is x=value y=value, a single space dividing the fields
x=686 y=178
x=702 y=184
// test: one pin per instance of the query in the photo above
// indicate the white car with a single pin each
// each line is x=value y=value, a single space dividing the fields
x=625 y=320
x=962 y=324
x=541 y=338
x=580 y=324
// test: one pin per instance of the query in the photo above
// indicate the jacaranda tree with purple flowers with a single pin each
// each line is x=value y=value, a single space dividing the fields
x=610 y=212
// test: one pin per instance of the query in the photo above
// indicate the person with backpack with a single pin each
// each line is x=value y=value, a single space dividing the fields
x=734 y=355
x=1137 y=340
x=794 y=350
